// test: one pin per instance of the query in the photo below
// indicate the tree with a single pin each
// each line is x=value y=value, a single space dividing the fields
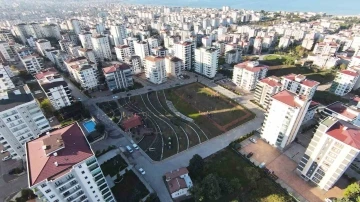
x=275 y=198
x=225 y=186
x=99 y=127
x=196 y=166
x=352 y=191
x=252 y=175
x=343 y=66
x=235 y=184
x=198 y=192
x=47 y=107
x=211 y=186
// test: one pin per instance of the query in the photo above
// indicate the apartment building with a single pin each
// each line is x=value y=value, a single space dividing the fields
x=326 y=48
x=247 y=74
x=42 y=45
x=141 y=49
x=354 y=62
x=20 y=31
x=123 y=52
x=101 y=47
x=65 y=45
x=51 y=30
x=85 y=39
x=173 y=66
x=118 y=32
x=136 y=64
x=206 y=61
x=74 y=25
x=33 y=63
x=257 y=48
x=299 y=84
x=307 y=44
x=266 y=88
x=55 y=88
x=5 y=82
x=333 y=148
x=284 y=42
x=21 y=120
x=186 y=52
x=6 y=35
x=83 y=71
x=233 y=56
x=6 y=53
x=285 y=115
x=118 y=76
x=340 y=111
x=88 y=53
x=344 y=82
x=155 y=70
x=62 y=167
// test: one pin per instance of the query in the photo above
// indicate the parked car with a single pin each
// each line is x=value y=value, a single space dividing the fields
x=253 y=140
x=3 y=151
x=6 y=158
x=129 y=149
x=250 y=155
x=115 y=97
x=142 y=171
x=136 y=146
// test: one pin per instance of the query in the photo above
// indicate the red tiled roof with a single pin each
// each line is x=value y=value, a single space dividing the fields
x=176 y=173
x=313 y=104
x=306 y=82
x=113 y=68
x=132 y=122
x=287 y=98
x=341 y=109
x=154 y=58
x=42 y=167
x=347 y=135
x=271 y=81
x=245 y=65
x=350 y=73
x=174 y=181
x=43 y=74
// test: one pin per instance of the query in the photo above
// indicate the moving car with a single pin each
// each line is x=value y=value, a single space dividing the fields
x=6 y=158
x=253 y=140
x=136 y=146
x=115 y=97
x=142 y=171
x=129 y=149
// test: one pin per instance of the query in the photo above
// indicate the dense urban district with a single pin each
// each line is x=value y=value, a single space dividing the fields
x=105 y=101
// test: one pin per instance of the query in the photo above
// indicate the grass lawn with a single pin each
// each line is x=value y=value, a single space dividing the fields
x=113 y=166
x=130 y=189
x=314 y=74
x=272 y=60
x=208 y=107
x=229 y=165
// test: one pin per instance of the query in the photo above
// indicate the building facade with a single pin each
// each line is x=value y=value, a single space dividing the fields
x=101 y=47
x=299 y=85
x=118 y=76
x=84 y=72
x=155 y=70
x=186 y=52
x=33 y=63
x=266 y=88
x=173 y=66
x=247 y=74
x=206 y=61
x=344 y=82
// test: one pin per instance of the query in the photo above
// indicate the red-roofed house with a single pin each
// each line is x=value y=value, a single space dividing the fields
x=299 y=85
x=334 y=147
x=344 y=82
x=178 y=182
x=284 y=117
x=118 y=76
x=265 y=88
x=62 y=167
x=131 y=122
x=343 y=112
x=247 y=74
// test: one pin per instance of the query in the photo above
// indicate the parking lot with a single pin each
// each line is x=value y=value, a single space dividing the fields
x=284 y=167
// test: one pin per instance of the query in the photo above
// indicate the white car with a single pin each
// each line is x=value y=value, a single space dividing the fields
x=6 y=158
x=3 y=151
x=252 y=140
x=136 y=146
x=115 y=97
x=142 y=171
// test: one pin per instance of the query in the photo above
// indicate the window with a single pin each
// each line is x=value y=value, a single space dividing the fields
x=86 y=177
x=52 y=196
x=43 y=185
x=47 y=191
x=93 y=192
x=91 y=187
x=82 y=172
x=88 y=182
x=96 y=196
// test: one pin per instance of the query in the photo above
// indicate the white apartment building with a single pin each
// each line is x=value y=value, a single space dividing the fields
x=6 y=54
x=333 y=148
x=118 y=76
x=33 y=63
x=130 y=42
x=344 y=82
x=83 y=71
x=42 y=45
x=340 y=111
x=155 y=70
x=354 y=62
x=160 y=51
x=101 y=47
x=22 y=120
x=173 y=66
x=266 y=88
x=153 y=43
x=51 y=30
x=206 y=41
x=122 y=52
x=74 y=25
x=299 y=85
x=324 y=48
x=307 y=43
x=284 y=42
x=135 y=63
x=141 y=49
x=88 y=53
x=62 y=167
x=55 y=88
x=206 y=61
x=5 y=75
x=20 y=31
x=257 y=48
x=186 y=52
x=285 y=115
x=247 y=74
x=65 y=45
x=233 y=56
x=85 y=39
x=35 y=30
x=118 y=32
x=6 y=35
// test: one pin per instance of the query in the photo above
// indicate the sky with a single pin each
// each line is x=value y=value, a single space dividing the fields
x=336 y=7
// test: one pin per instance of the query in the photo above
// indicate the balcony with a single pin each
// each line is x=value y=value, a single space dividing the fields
x=89 y=163
x=68 y=179
x=93 y=167
x=64 y=189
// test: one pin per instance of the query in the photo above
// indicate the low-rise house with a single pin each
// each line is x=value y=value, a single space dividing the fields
x=178 y=182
